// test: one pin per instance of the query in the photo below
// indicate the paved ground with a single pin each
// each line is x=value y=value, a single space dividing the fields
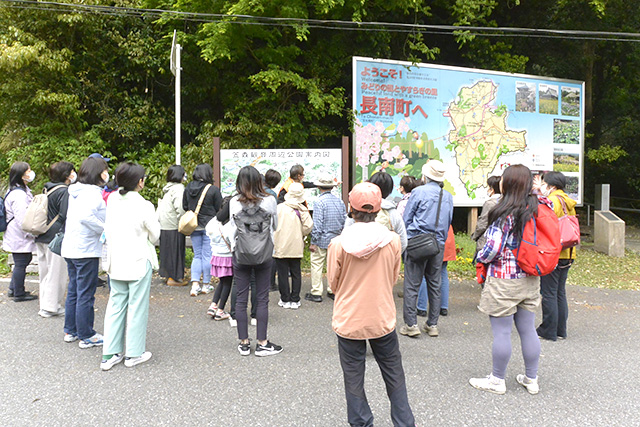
x=196 y=375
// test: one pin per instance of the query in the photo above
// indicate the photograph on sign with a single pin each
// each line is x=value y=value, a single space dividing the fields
x=477 y=122
x=314 y=161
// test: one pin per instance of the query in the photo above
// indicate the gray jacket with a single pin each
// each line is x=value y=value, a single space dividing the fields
x=483 y=222
x=170 y=207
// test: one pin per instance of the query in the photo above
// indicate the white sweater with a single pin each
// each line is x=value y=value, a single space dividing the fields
x=131 y=229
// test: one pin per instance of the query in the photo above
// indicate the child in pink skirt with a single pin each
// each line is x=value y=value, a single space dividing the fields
x=221 y=264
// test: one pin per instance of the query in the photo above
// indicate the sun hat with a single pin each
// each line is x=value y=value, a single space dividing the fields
x=434 y=170
x=295 y=193
x=365 y=193
x=326 y=180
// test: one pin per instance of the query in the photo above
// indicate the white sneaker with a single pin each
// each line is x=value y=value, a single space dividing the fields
x=213 y=308
x=233 y=322
x=130 y=362
x=95 y=341
x=207 y=288
x=489 y=383
x=282 y=304
x=530 y=384
x=70 y=337
x=432 y=330
x=105 y=365
x=254 y=321
x=294 y=305
x=195 y=289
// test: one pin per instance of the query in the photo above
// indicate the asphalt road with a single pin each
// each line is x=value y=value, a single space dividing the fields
x=196 y=375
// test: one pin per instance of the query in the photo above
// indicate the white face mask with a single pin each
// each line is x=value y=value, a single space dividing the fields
x=73 y=177
x=105 y=176
x=544 y=189
x=30 y=176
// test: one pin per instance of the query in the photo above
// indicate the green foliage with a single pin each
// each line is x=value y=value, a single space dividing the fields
x=463 y=267
x=606 y=154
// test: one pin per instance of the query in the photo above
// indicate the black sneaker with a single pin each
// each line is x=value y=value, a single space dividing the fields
x=313 y=298
x=269 y=349
x=244 y=349
x=331 y=295
x=421 y=313
x=444 y=312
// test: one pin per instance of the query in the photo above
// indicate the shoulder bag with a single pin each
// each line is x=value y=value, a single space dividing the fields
x=189 y=221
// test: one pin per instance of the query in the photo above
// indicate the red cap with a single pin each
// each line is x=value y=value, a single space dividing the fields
x=365 y=193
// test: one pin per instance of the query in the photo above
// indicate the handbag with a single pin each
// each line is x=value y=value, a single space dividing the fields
x=569 y=228
x=55 y=245
x=425 y=245
x=189 y=221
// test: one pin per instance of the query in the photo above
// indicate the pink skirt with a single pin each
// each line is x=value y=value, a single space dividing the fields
x=221 y=266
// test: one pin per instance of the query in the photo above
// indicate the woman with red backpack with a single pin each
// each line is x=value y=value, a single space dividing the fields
x=510 y=295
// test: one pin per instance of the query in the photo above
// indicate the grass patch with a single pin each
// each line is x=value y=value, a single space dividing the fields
x=596 y=270
x=4 y=265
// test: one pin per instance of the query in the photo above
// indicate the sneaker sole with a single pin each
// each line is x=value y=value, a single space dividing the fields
x=264 y=353
x=84 y=345
x=411 y=334
x=136 y=362
x=244 y=353
x=70 y=340
x=487 y=389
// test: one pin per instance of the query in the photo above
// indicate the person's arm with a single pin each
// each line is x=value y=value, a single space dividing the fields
x=217 y=198
x=397 y=250
x=399 y=228
x=409 y=211
x=151 y=223
x=491 y=249
x=185 y=201
x=307 y=222
x=281 y=195
x=334 y=266
x=95 y=220
x=483 y=221
x=308 y=184
x=64 y=205
x=318 y=223
x=177 y=203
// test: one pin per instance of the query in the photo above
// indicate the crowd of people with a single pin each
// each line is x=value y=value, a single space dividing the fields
x=248 y=239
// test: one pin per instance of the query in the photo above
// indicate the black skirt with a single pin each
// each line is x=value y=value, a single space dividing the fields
x=172 y=245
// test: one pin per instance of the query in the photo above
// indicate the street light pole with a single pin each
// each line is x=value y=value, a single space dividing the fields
x=176 y=69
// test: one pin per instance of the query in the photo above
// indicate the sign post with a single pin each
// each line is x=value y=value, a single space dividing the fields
x=175 y=69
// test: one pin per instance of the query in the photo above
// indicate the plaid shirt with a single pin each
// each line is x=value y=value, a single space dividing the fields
x=329 y=215
x=497 y=253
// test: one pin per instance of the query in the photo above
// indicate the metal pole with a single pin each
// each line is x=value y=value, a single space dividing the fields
x=178 y=69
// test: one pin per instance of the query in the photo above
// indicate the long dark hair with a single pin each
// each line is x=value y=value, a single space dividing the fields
x=249 y=185
x=15 y=175
x=516 y=199
x=204 y=173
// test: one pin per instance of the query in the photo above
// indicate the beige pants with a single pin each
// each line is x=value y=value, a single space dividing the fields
x=54 y=278
x=318 y=259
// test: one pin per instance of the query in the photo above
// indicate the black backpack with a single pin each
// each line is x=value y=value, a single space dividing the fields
x=253 y=236
x=3 y=216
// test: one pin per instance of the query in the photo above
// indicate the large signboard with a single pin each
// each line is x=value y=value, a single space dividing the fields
x=477 y=122
x=314 y=162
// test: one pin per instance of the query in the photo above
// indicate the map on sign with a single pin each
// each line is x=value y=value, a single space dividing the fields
x=476 y=122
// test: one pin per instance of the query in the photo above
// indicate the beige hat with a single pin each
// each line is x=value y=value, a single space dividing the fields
x=326 y=181
x=295 y=193
x=434 y=170
x=365 y=193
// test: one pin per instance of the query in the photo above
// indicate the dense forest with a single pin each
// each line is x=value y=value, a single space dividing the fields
x=78 y=78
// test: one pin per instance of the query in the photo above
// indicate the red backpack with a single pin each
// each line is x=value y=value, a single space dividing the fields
x=540 y=248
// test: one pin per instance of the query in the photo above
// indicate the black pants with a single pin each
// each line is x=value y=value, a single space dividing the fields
x=242 y=276
x=234 y=297
x=284 y=266
x=555 y=308
x=222 y=291
x=387 y=354
x=21 y=260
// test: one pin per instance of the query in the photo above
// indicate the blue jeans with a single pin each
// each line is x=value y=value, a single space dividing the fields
x=83 y=280
x=423 y=298
x=201 y=264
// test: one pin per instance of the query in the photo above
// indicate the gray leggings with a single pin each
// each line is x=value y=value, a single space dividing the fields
x=501 y=328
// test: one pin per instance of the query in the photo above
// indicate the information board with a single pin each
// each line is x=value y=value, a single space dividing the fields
x=314 y=161
x=477 y=122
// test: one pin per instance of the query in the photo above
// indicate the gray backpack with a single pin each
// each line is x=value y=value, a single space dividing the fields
x=253 y=236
